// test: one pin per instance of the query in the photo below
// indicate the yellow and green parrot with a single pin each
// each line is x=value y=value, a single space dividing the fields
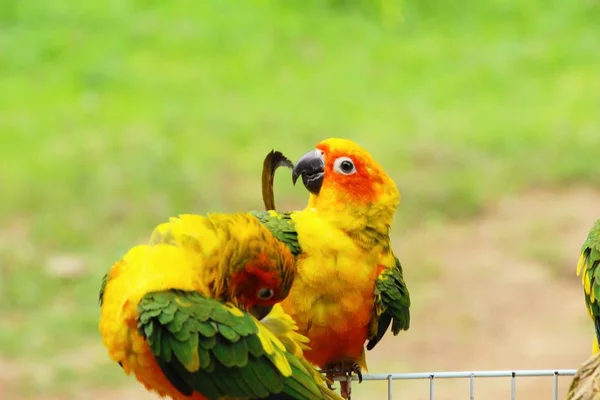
x=350 y=287
x=588 y=268
x=586 y=382
x=182 y=313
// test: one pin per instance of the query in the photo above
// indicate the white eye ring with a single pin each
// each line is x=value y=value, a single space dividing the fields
x=344 y=165
x=265 y=293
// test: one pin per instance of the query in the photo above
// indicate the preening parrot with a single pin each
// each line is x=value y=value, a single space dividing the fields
x=586 y=382
x=350 y=286
x=588 y=268
x=182 y=313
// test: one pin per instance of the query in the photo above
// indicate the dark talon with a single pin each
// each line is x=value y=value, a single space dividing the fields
x=330 y=385
x=357 y=370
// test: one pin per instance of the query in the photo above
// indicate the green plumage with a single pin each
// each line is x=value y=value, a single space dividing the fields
x=588 y=266
x=202 y=345
x=282 y=227
x=392 y=303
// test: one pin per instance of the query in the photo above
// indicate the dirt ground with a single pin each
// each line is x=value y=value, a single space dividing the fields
x=497 y=292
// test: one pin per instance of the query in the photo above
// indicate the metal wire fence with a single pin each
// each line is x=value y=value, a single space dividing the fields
x=471 y=375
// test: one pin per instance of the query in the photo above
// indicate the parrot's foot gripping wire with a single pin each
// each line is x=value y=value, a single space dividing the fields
x=330 y=382
x=342 y=370
x=356 y=369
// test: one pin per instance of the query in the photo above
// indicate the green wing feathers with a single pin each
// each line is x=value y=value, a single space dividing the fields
x=205 y=346
x=588 y=268
x=392 y=304
x=281 y=226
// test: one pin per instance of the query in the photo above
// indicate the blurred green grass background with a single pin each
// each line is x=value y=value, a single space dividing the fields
x=115 y=115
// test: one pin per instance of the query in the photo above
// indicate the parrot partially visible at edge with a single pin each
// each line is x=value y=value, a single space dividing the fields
x=182 y=313
x=350 y=286
x=587 y=267
x=586 y=382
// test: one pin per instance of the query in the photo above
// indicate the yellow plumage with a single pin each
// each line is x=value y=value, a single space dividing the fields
x=343 y=236
x=334 y=281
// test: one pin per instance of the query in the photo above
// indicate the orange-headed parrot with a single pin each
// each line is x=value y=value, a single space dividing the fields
x=350 y=287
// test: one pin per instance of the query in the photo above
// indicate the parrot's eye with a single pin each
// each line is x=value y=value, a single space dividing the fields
x=265 y=293
x=344 y=165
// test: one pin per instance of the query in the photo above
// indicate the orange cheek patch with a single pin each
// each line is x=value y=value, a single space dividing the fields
x=262 y=268
x=259 y=272
x=360 y=188
x=239 y=279
x=360 y=185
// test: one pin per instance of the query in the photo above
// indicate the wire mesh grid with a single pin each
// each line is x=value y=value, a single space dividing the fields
x=471 y=375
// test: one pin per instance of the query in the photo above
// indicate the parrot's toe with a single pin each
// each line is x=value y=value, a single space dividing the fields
x=329 y=381
x=357 y=370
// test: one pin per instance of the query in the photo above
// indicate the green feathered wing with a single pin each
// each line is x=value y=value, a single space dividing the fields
x=588 y=268
x=205 y=346
x=392 y=303
x=281 y=226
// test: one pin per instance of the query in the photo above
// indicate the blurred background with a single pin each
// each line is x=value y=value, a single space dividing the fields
x=115 y=115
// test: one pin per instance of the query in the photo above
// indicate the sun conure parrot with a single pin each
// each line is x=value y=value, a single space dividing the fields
x=349 y=287
x=182 y=313
x=586 y=382
x=588 y=268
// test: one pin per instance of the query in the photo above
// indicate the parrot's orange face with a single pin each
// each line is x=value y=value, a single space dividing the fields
x=340 y=171
x=263 y=282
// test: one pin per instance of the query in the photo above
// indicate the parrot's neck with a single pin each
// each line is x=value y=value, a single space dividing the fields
x=368 y=225
x=376 y=230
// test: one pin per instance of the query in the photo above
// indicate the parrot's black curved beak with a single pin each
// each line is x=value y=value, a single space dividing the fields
x=312 y=168
x=259 y=312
